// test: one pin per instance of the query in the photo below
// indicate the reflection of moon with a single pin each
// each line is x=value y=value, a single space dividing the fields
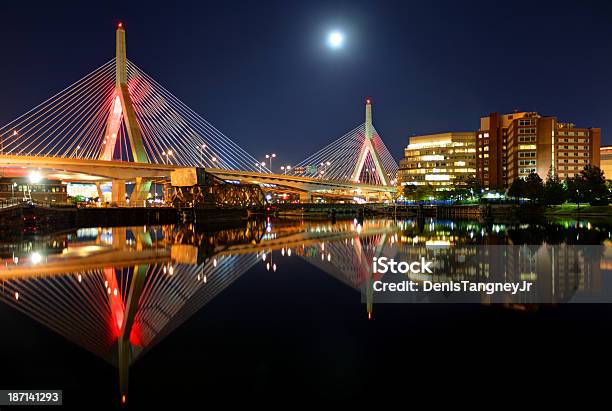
x=335 y=39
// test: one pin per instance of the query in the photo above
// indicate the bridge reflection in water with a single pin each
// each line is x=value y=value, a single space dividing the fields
x=118 y=292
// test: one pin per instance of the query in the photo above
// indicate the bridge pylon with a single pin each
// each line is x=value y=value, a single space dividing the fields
x=122 y=110
x=369 y=147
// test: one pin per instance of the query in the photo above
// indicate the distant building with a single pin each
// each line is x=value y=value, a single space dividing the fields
x=44 y=191
x=442 y=160
x=606 y=161
x=513 y=145
x=506 y=147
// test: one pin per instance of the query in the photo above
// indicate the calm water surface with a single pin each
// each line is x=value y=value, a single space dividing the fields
x=272 y=308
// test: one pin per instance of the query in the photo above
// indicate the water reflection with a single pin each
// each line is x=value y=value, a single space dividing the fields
x=118 y=292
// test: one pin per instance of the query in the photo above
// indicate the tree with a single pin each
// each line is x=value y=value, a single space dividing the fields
x=410 y=192
x=473 y=186
x=596 y=191
x=517 y=189
x=534 y=187
x=425 y=192
x=554 y=191
x=575 y=189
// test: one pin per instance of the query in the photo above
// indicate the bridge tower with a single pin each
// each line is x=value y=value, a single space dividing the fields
x=122 y=109
x=368 y=147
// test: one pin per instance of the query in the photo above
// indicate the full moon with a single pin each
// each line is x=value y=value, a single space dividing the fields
x=335 y=39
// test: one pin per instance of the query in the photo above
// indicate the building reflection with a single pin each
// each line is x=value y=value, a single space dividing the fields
x=118 y=292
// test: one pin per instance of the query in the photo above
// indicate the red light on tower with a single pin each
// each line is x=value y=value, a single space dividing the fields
x=120 y=25
x=368 y=100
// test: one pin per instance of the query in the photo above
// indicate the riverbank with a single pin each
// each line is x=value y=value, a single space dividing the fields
x=581 y=210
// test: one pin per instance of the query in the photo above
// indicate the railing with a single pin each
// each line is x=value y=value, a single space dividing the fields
x=10 y=202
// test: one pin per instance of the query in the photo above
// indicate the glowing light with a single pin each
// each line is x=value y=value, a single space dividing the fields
x=16 y=296
x=35 y=177
x=35 y=257
x=335 y=39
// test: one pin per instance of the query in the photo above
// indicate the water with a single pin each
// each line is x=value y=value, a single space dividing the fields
x=274 y=306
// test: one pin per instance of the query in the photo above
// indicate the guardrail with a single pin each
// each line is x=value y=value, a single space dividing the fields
x=10 y=202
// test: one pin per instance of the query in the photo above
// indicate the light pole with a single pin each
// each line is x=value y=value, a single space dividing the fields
x=324 y=166
x=167 y=155
x=14 y=134
x=270 y=156
x=202 y=148
x=76 y=152
x=285 y=169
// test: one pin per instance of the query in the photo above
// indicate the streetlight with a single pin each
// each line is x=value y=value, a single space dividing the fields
x=76 y=152
x=14 y=134
x=285 y=169
x=167 y=154
x=202 y=148
x=270 y=156
x=324 y=165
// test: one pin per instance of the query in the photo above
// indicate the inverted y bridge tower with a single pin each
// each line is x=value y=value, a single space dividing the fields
x=122 y=109
x=368 y=146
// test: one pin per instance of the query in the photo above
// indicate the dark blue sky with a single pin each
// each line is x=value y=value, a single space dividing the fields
x=261 y=72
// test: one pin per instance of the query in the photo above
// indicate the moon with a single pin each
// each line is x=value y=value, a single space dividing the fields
x=335 y=39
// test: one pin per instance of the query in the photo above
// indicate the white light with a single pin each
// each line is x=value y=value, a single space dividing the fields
x=35 y=258
x=335 y=39
x=35 y=177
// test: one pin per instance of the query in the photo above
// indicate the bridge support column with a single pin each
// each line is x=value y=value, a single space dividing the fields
x=118 y=192
x=306 y=197
x=100 y=194
x=141 y=192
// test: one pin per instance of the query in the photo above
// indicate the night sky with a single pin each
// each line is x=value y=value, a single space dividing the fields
x=261 y=71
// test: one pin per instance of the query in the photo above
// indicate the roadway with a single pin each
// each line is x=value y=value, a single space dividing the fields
x=91 y=170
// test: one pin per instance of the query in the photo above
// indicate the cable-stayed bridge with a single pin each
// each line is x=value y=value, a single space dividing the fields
x=117 y=124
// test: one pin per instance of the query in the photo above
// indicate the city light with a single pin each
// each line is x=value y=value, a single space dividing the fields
x=35 y=177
